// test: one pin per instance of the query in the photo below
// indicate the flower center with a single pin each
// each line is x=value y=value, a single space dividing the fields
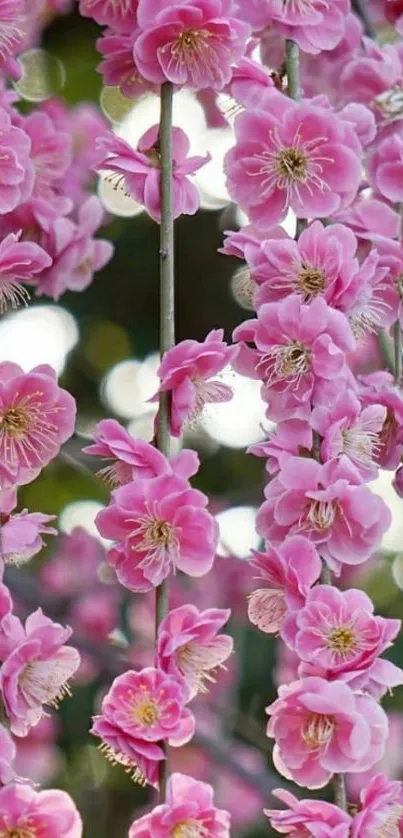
x=318 y=731
x=196 y=52
x=390 y=827
x=119 y=758
x=198 y=663
x=12 y=294
x=310 y=282
x=116 y=474
x=390 y=103
x=16 y=422
x=342 y=640
x=360 y=446
x=289 y=363
x=321 y=514
x=292 y=164
x=145 y=710
x=153 y=155
x=46 y=682
x=189 y=829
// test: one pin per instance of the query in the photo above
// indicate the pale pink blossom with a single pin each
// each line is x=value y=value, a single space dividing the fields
x=160 y=524
x=51 y=155
x=37 y=672
x=137 y=172
x=297 y=347
x=187 y=372
x=131 y=458
x=118 y=67
x=249 y=81
x=380 y=388
x=291 y=437
x=11 y=629
x=25 y=811
x=121 y=16
x=385 y=168
x=149 y=706
x=12 y=19
x=321 y=263
x=315 y=25
x=21 y=535
x=373 y=77
x=141 y=759
x=75 y=251
x=189 y=645
x=16 y=167
x=290 y=155
x=193 y=42
x=327 y=504
x=20 y=261
x=321 y=728
x=366 y=301
x=188 y=811
x=348 y=428
x=7 y=757
x=288 y=573
x=336 y=632
x=381 y=809
x=308 y=818
x=370 y=218
x=36 y=418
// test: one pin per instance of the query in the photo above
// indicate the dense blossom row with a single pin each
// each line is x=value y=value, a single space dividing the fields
x=334 y=159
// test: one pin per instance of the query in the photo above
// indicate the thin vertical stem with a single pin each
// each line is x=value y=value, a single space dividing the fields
x=292 y=69
x=340 y=797
x=167 y=321
x=397 y=344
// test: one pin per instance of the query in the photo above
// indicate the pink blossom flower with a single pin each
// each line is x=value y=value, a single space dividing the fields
x=12 y=18
x=19 y=260
x=36 y=672
x=373 y=76
x=327 y=504
x=297 y=347
x=187 y=370
x=380 y=388
x=366 y=301
x=288 y=573
x=36 y=418
x=160 y=524
x=137 y=171
x=291 y=437
x=16 y=168
x=188 y=811
x=119 y=16
x=7 y=757
x=369 y=219
x=150 y=706
x=133 y=458
x=385 y=168
x=11 y=629
x=381 y=809
x=347 y=428
x=21 y=535
x=77 y=255
x=189 y=646
x=314 y=26
x=321 y=728
x=139 y=757
x=118 y=67
x=337 y=632
x=23 y=810
x=190 y=43
x=290 y=155
x=311 y=818
x=51 y=154
x=249 y=81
